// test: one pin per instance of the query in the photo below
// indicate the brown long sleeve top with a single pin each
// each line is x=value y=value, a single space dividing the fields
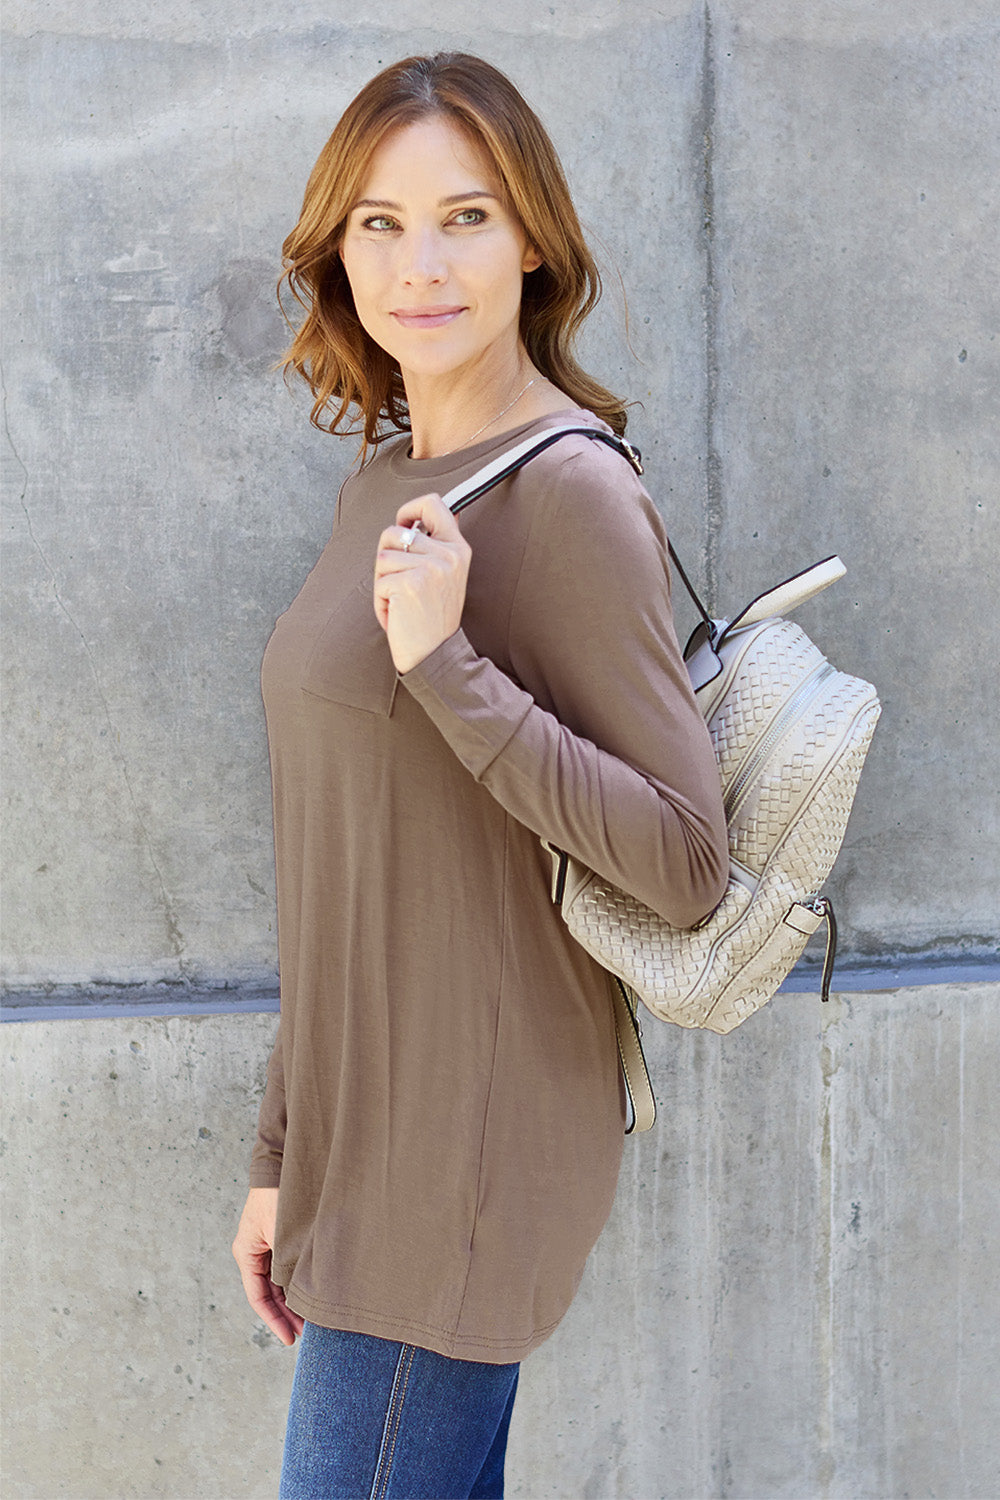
x=443 y=1109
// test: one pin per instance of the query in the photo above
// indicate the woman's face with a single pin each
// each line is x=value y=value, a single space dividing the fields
x=435 y=256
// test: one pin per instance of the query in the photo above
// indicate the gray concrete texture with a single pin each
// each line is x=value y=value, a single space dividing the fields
x=795 y=1296
x=802 y=203
x=797 y=1293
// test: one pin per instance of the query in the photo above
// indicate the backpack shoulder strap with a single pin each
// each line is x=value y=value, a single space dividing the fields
x=515 y=458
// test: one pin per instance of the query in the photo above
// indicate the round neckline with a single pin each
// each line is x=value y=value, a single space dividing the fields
x=399 y=459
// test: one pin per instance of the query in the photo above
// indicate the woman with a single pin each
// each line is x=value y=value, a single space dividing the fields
x=444 y=1111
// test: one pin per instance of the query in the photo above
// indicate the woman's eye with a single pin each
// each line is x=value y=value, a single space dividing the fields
x=470 y=216
x=379 y=222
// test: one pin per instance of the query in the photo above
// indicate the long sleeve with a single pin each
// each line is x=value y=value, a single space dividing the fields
x=265 y=1160
x=616 y=767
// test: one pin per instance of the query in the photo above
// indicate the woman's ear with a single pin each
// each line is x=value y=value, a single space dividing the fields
x=531 y=260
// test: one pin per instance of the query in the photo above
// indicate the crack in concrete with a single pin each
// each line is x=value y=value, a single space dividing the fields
x=175 y=937
x=710 y=305
x=10 y=443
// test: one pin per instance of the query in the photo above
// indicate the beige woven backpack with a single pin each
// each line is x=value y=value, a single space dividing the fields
x=790 y=734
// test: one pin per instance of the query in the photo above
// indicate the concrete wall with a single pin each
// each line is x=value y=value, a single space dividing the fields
x=802 y=201
x=796 y=1295
x=802 y=204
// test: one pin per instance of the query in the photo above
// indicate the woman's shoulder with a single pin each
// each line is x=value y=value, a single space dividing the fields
x=592 y=481
x=375 y=462
x=370 y=475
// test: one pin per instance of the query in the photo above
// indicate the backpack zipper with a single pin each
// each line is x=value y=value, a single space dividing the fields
x=803 y=694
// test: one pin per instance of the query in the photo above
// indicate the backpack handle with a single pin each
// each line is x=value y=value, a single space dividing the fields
x=787 y=596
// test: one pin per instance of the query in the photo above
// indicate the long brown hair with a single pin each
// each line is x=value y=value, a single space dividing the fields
x=340 y=362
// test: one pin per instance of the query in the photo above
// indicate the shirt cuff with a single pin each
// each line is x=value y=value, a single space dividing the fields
x=265 y=1174
x=475 y=705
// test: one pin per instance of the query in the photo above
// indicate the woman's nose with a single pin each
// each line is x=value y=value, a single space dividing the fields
x=423 y=260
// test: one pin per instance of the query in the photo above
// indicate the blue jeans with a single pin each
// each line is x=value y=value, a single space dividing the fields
x=375 y=1420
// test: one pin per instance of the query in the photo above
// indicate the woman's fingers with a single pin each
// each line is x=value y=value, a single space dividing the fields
x=268 y=1301
x=252 y=1252
x=421 y=572
x=433 y=515
x=399 y=542
x=426 y=518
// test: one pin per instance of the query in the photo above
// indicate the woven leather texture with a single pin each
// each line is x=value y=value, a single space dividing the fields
x=794 y=734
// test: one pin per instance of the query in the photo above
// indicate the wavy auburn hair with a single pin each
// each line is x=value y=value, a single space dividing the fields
x=340 y=362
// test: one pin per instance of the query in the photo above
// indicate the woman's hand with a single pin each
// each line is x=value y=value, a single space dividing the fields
x=420 y=588
x=252 y=1249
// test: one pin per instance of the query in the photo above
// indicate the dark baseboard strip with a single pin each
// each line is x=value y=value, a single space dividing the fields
x=26 y=1008
x=125 y=1001
x=913 y=974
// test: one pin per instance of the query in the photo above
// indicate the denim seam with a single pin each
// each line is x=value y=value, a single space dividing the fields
x=393 y=1420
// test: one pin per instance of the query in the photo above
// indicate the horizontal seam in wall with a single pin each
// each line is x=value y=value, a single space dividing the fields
x=916 y=974
x=32 y=1010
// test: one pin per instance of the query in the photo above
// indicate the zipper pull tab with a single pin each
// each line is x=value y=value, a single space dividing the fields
x=824 y=908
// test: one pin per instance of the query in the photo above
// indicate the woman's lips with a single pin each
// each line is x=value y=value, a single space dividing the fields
x=425 y=317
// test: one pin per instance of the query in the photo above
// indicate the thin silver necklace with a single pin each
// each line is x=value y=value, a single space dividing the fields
x=469 y=441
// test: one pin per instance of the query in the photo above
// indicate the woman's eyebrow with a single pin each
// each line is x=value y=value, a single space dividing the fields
x=443 y=202
x=473 y=193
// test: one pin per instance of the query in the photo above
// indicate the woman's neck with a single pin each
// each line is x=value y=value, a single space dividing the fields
x=446 y=416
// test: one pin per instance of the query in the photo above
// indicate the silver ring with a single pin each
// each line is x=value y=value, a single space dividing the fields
x=409 y=538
